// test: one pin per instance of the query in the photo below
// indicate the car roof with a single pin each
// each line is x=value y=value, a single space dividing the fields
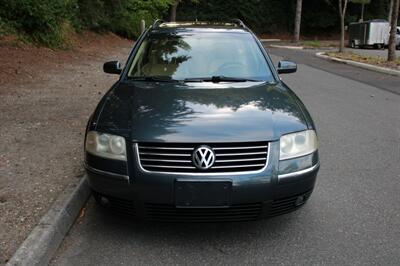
x=200 y=26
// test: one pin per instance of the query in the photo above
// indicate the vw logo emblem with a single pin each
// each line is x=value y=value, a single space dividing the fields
x=203 y=157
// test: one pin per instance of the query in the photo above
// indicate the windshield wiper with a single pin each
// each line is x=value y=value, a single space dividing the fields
x=154 y=78
x=217 y=79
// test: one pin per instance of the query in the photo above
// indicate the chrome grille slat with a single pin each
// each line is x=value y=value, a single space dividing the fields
x=165 y=148
x=174 y=158
x=237 y=166
x=165 y=160
x=238 y=160
x=240 y=148
x=168 y=166
x=241 y=154
x=164 y=154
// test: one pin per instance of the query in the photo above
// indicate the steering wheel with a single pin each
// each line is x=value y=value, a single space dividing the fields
x=229 y=66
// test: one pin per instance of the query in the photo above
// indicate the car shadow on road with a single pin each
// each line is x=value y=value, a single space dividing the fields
x=103 y=221
x=100 y=237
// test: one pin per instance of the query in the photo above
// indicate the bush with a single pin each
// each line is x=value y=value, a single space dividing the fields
x=120 y=16
x=5 y=27
x=126 y=15
x=43 y=21
x=93 y=15
x=49 y=22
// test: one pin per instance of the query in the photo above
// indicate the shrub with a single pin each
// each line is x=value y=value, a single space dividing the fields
x=120 y=16
x=43 y=21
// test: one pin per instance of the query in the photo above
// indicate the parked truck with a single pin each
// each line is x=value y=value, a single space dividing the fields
x=372 y=33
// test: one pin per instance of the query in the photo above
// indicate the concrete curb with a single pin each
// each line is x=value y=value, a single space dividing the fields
x=44 y=240
x=287 y=47
x=270 y=40
x=360 y=65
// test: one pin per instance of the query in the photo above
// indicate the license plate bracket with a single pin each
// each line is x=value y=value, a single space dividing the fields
x=203 y=193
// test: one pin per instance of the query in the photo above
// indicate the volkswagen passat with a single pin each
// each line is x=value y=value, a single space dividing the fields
x=199 y=127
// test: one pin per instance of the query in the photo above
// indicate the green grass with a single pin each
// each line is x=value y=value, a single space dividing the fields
x=312 y=44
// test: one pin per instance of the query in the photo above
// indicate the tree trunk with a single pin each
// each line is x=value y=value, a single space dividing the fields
x=172 y=11
x=341 y=46
x=342 y=13
x=362 y=12
x=297 y=23
x=390 y=11
x=393 y=28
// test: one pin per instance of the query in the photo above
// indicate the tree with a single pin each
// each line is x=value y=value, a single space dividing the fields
x=390 y=11
x=393 y=28
x=172 y=10
x=342 y=14
x=174 y=7
x=297 y=22
x=363 y=3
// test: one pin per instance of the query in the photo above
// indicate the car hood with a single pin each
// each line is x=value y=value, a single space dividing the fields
x=200 y=112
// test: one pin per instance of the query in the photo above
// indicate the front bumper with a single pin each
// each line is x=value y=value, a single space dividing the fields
x=151 y=196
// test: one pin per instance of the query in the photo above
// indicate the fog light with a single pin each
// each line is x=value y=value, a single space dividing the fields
x=104 y=201
x=300 y=200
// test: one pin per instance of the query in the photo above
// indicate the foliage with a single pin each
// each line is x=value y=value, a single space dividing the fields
x=5 y=28
x=126 y=14
x=120 y=16
x=261 y=16
x=277 y=16
x=50 y=21
x=43 y=21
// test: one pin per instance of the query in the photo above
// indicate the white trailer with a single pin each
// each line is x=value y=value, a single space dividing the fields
x=373 y=33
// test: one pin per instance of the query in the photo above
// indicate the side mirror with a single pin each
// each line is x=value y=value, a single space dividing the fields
x=112 y=67
x=286 y=67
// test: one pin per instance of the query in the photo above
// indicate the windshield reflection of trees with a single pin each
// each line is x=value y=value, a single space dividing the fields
x=162 y=55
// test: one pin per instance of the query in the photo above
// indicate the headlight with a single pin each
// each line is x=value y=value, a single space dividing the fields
x=298 y=144
x=106 y=145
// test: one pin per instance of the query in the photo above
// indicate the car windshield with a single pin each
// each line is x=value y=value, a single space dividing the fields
x=200 y=56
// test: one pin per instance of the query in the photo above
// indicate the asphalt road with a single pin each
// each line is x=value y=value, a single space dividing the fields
x=352 y=218
x=367 y=77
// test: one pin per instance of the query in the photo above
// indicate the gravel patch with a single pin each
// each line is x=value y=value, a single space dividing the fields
x=46 y=98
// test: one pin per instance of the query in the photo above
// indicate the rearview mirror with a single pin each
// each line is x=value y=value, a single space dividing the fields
x=286 y=67
x=112 y=67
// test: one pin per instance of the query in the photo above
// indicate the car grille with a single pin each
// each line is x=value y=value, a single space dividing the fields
x=177 y=157
x=235 y=213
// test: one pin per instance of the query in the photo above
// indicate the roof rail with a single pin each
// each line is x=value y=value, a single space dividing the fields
x=238 y=22
x=157 y=23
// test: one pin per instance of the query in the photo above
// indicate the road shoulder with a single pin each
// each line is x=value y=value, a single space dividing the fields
x=44 y=240
x=359 y=64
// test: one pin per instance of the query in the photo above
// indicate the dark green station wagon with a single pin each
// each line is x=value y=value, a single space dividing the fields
x=200 y=128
